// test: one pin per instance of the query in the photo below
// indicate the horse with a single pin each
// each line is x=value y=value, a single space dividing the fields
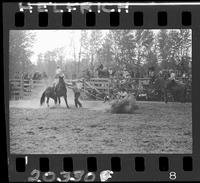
x=61 y=90
x=164 y=87
x=49 y=93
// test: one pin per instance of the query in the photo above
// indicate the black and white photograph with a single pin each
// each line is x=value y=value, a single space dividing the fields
x=103 y=91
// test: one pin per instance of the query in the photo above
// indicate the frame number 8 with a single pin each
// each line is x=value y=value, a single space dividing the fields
x=172 y=175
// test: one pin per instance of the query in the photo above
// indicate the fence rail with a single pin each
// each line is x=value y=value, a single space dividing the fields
x=20 y=88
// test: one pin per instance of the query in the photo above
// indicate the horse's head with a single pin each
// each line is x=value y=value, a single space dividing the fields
x=61 y=80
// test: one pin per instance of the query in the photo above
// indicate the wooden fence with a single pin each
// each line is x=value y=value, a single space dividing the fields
x=22 y=88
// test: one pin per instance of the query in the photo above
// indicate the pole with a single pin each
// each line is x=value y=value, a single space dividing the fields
x=21 y=87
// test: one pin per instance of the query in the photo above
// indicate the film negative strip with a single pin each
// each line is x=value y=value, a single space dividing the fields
x=102 y=91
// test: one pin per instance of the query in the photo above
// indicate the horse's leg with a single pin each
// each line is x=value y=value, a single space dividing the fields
x=55 y=100
x=165 y=96
x=48 y=101
x=78 y=102
x=75 y=101
x=65 y=97
x=59 y=100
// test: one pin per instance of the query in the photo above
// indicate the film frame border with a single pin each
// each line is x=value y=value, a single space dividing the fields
x=150 y=21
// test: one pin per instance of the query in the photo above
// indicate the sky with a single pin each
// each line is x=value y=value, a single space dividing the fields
x=47 y=40
x=50 y=39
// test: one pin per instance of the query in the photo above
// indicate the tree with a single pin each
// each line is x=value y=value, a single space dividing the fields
x=105 y=53
x=40 y=62
x=20 y=43
x=164 y=48
x=175 y=49
x=122 y=47
x=144 y=41
x=95 y=43
x=50 y=63
x=181 y=48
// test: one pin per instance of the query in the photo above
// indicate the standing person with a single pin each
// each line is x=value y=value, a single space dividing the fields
x=172 y=75
x=88 y=74
x=110 y=71
x=77 y=94
x=100 y=70
x=184 y=77
x=152 y=74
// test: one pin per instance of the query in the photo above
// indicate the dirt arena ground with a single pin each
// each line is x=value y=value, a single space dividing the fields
x=155 y=127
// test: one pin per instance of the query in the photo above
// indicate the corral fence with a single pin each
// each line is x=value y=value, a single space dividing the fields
x=95 y=88
x=24 y=88
x=20 y=88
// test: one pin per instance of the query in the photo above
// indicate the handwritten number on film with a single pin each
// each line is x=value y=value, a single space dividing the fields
x=35 y=176
x=65 y=176
x=49 y=177
x=172 y=175
x=77 y=175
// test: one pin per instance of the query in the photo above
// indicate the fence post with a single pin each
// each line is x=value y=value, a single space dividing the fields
x=109 y=88
x=31 y=86
x=22 y=87
x=84 y=97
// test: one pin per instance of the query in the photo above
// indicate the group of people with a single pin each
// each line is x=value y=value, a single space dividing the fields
x=168 y=74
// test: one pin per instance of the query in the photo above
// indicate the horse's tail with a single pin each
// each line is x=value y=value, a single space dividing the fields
x=42 y=99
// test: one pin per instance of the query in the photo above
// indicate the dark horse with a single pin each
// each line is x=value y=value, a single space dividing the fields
x=49 y=93
x=60 y=90
x=168 y=87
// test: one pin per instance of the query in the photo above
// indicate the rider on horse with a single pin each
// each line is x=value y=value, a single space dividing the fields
x=59 y=73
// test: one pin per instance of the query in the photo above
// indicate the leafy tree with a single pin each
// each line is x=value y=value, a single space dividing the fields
x=143 y=48
x=105 y=53
x=50 y=63
x=20 y=43
x=164 y=48
x=175 y=49
x=95 y=42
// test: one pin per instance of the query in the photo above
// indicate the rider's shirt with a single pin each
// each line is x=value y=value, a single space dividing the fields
x=58 y=71
x=172 y=76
